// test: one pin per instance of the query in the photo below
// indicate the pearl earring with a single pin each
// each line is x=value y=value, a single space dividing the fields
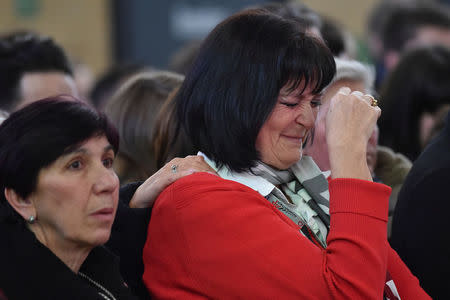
x=31 y=219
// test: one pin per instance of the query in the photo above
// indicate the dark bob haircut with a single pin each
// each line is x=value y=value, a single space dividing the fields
x=35 y=136
x=419 y=84
x=234 y=83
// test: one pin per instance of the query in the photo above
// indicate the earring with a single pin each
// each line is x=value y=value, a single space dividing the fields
x=31 y=219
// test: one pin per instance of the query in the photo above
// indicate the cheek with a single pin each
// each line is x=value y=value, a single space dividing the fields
x=266 y=137
x=64 y=196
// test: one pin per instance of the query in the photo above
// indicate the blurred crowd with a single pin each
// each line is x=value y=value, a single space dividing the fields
x=408 y=149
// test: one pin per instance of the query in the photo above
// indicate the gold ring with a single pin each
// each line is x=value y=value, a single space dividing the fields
x=374 y=101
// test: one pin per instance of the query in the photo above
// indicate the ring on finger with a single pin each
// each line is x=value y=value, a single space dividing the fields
x=373 y=101
x=174 y=168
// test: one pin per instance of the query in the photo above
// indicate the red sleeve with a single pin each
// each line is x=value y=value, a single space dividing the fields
x=407 y=284
x=214 y=238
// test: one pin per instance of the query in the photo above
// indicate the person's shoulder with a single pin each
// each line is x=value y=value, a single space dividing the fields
x=205 y=182
x=433 y=163
x=200 y=188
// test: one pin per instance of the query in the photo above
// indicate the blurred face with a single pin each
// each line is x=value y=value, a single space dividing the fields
x=430 y=35
x=318 y=150
x=423 y=37
x=38 y=85
x=280 y=139
x=76 y=197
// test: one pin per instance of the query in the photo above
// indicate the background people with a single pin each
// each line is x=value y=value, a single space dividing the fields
x=32 y=67
x=412 y=25
x=385 y=166
x=133 y=110
x=418 y=232
x=413 y=93
x=110 y=81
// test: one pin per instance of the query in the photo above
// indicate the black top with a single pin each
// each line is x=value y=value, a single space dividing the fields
x=29 y=270
x=421 y=218
x=128 y=236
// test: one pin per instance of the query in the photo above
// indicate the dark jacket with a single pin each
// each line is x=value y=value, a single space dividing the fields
x=128 y=235
x=421 y=219
x=29 y=270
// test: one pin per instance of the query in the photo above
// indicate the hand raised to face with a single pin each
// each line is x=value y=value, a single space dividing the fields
x=350 y=122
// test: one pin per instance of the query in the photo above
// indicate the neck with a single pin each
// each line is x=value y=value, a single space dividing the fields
x=71 y=254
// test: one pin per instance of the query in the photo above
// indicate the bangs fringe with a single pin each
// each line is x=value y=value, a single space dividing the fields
x=317 y=69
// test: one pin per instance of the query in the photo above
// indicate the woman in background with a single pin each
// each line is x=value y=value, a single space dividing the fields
x=413 y=93
x=133 y=110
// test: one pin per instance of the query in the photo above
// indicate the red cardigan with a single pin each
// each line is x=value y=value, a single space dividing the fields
x=218 y=239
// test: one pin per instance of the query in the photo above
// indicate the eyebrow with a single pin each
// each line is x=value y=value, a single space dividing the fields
x=78 y=149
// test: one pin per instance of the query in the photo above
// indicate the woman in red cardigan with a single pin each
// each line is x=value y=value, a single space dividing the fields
x=270 y=226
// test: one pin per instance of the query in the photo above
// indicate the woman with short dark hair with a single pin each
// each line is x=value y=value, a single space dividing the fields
x=270 y=226
x=58 y=201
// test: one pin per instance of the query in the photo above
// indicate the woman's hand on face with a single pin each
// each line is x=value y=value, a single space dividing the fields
x=177 y=168
x=350 y=122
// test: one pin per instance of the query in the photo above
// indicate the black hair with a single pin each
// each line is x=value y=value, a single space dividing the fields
x=404 y=21
x=35 y=136
x=419 y=84
x=236 y=79
x=22 y=52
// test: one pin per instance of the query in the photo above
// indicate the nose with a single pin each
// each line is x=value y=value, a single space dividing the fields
x=105 y=180
x=306 y=116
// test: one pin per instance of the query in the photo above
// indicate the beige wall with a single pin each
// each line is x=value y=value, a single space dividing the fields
x=82 y=27
x=351 y=13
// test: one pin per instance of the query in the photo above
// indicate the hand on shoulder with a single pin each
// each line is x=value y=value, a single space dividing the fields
x=177 y=168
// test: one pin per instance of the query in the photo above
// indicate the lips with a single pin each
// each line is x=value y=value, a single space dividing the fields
x=105 y=214
x=295 y=139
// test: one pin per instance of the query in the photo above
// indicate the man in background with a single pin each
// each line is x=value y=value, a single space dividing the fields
x=32 y=67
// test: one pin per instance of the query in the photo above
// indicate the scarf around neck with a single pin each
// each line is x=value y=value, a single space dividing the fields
x=306 y=187
x=300 y=192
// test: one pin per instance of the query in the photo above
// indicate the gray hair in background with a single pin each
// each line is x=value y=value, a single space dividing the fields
x=354 y=70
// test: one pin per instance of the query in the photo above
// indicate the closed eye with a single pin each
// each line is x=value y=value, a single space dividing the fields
x=289 y=104
x=316 y=103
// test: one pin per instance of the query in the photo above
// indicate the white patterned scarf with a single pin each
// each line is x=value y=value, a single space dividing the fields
x=301 y=193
